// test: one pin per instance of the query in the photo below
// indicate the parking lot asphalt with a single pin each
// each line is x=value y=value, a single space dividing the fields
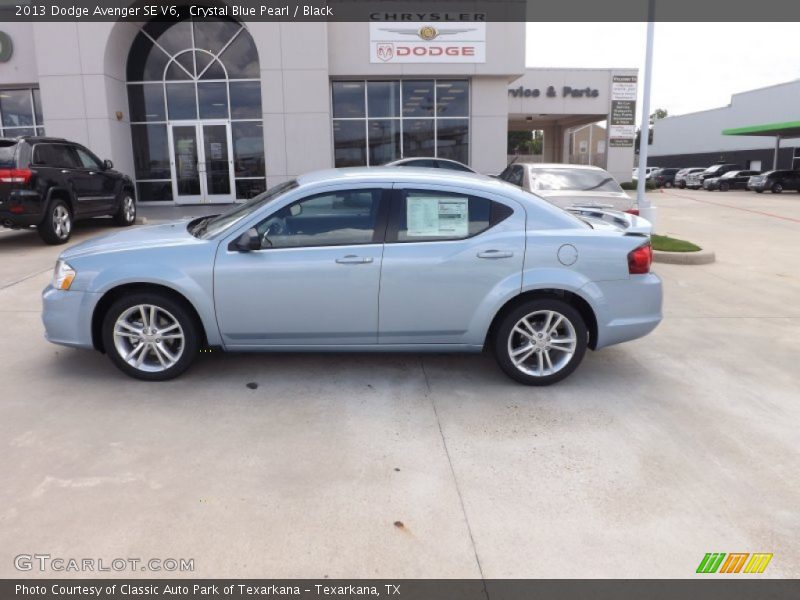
x=652 y=454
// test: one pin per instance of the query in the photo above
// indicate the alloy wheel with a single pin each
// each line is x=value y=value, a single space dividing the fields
x=129 y=209
x=542 y=343
x=149 y=338
x=62 y=223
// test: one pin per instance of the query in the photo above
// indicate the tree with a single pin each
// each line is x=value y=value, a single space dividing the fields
x=659 y=113
x=525 y=142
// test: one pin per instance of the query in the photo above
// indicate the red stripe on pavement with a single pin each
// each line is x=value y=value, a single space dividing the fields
x=757 y=212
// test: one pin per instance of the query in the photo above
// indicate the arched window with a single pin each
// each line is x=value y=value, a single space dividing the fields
x=194 y=95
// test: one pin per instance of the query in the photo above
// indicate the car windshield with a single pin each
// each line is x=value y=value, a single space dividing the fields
x=579 y=180
x=730 y=175
x=208 y=227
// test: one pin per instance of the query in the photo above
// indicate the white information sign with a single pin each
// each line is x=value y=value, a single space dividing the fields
x=437 y=217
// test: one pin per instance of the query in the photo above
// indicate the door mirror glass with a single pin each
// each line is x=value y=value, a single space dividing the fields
x=248 y=241
x=108 y=165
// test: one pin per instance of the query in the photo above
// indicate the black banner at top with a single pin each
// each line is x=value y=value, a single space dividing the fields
x=399 y=589
x=539 y=11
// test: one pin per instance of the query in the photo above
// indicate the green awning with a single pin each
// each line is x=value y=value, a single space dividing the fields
x=790 y=129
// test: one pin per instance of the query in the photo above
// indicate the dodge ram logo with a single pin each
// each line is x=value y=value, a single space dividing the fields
x=385 y=51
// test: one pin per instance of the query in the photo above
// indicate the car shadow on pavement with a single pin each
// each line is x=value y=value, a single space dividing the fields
x=29 y=238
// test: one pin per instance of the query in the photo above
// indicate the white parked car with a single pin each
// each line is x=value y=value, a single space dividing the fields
x=569 y=186
x=648 y=171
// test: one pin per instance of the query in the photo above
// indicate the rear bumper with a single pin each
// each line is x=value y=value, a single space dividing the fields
x=67 y=317
x=21 y=209
x=626 y=309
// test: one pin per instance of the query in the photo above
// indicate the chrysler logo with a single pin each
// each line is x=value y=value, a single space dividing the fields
x=427 y=32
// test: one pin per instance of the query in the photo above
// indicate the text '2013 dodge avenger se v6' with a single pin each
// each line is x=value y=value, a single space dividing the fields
x=375 y=259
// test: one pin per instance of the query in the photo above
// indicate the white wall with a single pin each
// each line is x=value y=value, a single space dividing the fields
x=21 y=69
x=702 y=131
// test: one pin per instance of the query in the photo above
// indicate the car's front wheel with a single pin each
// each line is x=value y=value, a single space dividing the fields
x=668 y=184
x=724 y=187
x=150 y=336
x=777 y=188
x=541 y=341
x=126 y=210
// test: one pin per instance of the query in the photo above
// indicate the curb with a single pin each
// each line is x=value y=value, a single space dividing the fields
x=702 y=257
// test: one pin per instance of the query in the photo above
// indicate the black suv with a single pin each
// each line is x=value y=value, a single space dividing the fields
x=51 y=182
x=775 y=181
x=665 y=177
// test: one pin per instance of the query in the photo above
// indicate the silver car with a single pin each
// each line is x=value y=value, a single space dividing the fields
x=568 y=185
x=377 y=259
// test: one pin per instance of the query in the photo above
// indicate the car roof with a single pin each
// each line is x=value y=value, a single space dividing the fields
x=410 y=174
x=33 y=138
x=557 y=166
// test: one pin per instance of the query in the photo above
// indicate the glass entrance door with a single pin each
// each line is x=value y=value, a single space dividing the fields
x=202 y=168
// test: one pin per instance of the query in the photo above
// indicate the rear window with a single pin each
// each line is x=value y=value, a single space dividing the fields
x=577 y=180
x=7 y=152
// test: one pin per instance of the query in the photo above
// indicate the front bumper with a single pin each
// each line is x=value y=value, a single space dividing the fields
x=626 y=309
x=67 y=316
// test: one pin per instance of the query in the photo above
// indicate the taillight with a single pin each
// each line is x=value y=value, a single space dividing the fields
x=633 y=211
x=639 y=259
x=15 y=175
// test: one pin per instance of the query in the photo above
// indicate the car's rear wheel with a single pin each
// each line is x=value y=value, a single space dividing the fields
x=776 y=188
x=57 y=225
x=126 y=211
x=150 y=336
x=541 y=341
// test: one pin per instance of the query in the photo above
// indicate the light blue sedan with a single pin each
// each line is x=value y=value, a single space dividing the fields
x=379 y=259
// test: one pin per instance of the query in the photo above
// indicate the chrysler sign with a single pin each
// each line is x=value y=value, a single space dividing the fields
x=415 y=42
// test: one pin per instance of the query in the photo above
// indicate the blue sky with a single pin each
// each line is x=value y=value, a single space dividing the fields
x=696 y=66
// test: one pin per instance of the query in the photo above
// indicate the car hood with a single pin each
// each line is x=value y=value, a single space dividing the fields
x=135 y=238
x=567 y=198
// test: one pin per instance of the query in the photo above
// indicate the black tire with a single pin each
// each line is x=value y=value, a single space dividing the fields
x=724 y=187
x=668 y=184
x=126 y=209
x=776 y=188
x=682 y=185
x=56 y=228
x=152 y=369
x=759 y=191
x=503 y=341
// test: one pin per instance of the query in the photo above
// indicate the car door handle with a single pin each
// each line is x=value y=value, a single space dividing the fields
x=352 y=259
x=66 y=171
x=495 y=254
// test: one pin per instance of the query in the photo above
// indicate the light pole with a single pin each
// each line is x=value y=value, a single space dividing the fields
x=645 y=209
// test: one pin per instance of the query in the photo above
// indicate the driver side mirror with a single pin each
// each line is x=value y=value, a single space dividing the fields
x=248 y=241
x=107 y=165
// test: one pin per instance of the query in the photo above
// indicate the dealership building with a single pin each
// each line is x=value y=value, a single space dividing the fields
x=759 y=130
x=203 y=110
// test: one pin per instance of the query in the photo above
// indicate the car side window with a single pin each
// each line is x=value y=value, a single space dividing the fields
x=431 y=215
x=87 y=161
x=343 y=217
x=54 y=155
x=424 y=162
x=453 y=166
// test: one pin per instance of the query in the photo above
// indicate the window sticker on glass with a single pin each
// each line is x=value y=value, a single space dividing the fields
x=437 y=217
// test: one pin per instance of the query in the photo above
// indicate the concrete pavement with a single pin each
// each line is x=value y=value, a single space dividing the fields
x=652 y=454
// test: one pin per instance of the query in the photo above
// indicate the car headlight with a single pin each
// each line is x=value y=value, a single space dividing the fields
x=63 y=275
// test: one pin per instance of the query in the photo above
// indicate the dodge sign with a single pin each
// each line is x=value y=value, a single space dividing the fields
x=415 y=42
